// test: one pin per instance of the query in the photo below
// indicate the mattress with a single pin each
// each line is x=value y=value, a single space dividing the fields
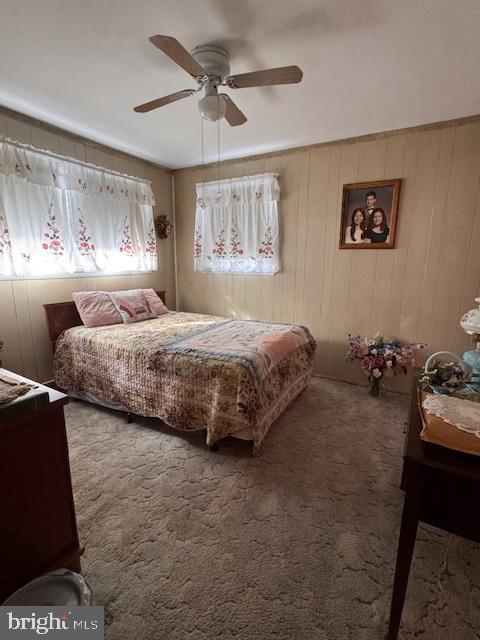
x=191 y=370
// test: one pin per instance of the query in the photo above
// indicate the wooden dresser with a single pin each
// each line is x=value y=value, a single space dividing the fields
x=38 y=530
x=442 y=489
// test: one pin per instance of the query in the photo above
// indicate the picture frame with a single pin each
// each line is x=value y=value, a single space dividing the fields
x=369 y=214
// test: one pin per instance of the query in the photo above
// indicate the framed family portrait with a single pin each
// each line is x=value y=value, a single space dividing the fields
x=369 y=214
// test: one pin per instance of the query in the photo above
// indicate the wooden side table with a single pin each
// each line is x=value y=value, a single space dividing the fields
x=442 y=488
x=38 y=530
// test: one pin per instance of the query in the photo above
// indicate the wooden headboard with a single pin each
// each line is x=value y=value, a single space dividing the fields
x=64 y=315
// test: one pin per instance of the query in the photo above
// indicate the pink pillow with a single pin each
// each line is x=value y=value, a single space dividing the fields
x=132 y=305
x=155 y=302
x=95 y=308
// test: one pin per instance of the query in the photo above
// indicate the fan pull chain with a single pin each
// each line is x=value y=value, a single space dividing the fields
x=203 y=159
x=218 y=145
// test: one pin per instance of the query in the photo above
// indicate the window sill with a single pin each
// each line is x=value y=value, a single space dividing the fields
x=80 y=274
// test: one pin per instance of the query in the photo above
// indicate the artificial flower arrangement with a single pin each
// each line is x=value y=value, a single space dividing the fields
x=444 y=377
x=163 y=226
x=380 y=358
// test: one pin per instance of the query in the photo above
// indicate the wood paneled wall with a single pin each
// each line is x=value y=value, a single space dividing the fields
x=22 y=322
x=416 y=292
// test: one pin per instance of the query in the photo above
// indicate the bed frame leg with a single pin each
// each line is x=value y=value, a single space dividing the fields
x=213 y=447
x=129 y=418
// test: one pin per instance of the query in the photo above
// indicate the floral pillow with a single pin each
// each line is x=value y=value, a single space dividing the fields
x=132 y=305
x=95 y=308
x=155 y=302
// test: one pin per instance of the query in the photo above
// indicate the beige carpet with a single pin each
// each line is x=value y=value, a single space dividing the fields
x=298 y=543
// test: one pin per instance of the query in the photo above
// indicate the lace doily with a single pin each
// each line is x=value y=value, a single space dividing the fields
x=463 y=414
x=11 y=388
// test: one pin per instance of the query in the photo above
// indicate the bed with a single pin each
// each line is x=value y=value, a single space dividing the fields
x=193 y=371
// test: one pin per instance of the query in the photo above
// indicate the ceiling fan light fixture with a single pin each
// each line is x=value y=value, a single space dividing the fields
x=212 y=107
x=209 y=66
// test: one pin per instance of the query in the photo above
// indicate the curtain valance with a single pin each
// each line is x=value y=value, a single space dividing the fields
x=249 y=189
x=236 y=226
x=51 y=170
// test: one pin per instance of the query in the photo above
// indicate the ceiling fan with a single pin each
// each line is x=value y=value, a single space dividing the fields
x=209 y=66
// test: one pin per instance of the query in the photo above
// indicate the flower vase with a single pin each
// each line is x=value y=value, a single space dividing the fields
x=375 y=387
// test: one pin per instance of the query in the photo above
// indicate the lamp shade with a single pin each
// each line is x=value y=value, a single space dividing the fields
x=470 y=321
x=212 y=107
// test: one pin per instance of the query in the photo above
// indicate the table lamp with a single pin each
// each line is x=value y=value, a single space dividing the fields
x=470 y=323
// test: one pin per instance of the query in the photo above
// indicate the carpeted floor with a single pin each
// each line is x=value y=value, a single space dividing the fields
x=298 y=543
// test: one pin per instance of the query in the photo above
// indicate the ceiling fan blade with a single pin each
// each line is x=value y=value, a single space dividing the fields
x=161 y=102
x=174 y=50
x=233 y=115
x=265 y=78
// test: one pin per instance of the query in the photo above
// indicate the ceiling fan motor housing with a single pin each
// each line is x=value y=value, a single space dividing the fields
x=213 y=59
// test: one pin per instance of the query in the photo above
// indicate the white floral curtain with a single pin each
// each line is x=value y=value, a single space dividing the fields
x=236 y=226
x=58 y=216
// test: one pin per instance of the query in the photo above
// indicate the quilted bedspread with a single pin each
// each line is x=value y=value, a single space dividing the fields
x=193 y=371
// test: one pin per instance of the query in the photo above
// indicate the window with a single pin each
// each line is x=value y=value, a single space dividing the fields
x=236 y=226
x=61 y=216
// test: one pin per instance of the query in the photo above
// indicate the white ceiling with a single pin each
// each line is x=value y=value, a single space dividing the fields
x=369 y=65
